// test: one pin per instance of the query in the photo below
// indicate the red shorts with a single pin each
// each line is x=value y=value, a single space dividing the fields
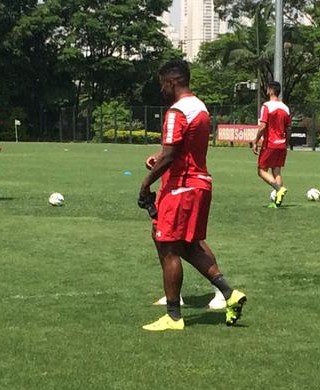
x=272 y=158
x=183 y=215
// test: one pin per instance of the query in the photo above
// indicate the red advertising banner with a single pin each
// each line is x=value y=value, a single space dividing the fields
x=237 y=133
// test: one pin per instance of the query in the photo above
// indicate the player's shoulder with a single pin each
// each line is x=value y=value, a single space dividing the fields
x=190 y=106
x=189 y=102
x=274 y=105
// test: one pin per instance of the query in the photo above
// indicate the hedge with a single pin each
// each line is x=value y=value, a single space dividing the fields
x=136 y=137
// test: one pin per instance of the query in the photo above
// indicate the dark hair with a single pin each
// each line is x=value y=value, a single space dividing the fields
x=178 y=69
x=275 y=86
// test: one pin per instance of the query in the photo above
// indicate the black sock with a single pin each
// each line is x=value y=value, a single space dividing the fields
x=275 y=186
x=173 y=309
x=222 y=285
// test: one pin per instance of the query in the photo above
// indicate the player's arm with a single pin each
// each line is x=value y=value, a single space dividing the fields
x=288 y=131
x=260 y=133
x=261 y=129
x=288 y=135
x=162 y=164
x=173 y=134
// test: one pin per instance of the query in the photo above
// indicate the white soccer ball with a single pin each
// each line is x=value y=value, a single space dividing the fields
x=273 y=195
x=313 y=194
x=56 y=199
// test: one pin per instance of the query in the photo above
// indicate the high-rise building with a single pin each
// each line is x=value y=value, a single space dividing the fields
x=198 y=23
x=169 y=29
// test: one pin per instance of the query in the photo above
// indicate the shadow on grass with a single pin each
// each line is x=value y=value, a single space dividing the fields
x=198 y=301
x=210 y=318
x=207 y=318
x=284 y=206
x=5 y=198
x=289 y=206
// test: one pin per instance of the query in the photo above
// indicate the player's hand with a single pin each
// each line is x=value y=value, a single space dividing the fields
x=255 y=148
x=150 y=161
x=146 y=201
x=144 y=193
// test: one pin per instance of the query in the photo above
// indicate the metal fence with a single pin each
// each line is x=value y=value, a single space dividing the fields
x=67 y=124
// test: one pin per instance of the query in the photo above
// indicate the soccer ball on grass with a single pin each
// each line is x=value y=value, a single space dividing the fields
x=56 y=199
x=313 y=194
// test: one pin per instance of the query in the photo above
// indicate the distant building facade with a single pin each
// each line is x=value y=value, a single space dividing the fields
x=169 y=30
x=198 y=23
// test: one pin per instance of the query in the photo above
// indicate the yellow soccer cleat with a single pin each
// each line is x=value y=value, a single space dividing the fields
x=280 y=195
x=165 y=323
x=234 y=307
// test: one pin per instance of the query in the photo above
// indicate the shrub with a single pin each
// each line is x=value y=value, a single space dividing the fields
x=113 y=114
x=135 y=137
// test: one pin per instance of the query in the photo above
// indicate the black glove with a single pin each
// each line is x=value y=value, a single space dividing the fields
x=147 y=202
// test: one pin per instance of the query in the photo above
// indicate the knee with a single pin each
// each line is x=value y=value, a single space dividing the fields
x=170 y=251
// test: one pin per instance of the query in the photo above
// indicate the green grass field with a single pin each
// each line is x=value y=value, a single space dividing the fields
x=77 y=282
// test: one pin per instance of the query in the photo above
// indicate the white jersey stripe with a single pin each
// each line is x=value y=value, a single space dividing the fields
x=170 y=126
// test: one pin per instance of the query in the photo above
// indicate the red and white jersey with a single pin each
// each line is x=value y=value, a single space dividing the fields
x=277 y=117
x=187 y=122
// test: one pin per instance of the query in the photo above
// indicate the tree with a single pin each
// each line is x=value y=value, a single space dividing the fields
x=106 y=44
x=226 y=64
x=214 y=75
x=111 y=116
x=61 y=52
x=10 y=80
x=251 y=49
x=235 y=9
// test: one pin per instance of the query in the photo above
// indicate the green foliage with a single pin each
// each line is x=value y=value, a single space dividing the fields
x=79 y=53
x=100 y=41
x=234 y=9
x=61 y=50
x=112 y=122
x=223 y=119
x=314 y=91
x=248 y=54
x=110 y=115
x=215 y=83
x=133 y=136
x=208 y=87
x=222 y=64
x=113 y=115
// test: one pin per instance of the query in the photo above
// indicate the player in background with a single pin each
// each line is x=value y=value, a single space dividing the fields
x=274 y=127
x=218 y=301
x=184 y=201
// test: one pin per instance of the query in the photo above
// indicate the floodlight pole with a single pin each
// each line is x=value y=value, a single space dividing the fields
x=278 y=51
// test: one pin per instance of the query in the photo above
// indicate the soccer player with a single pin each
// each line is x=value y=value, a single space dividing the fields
x=274 y=127
x=218 y=301
x=184 y=200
